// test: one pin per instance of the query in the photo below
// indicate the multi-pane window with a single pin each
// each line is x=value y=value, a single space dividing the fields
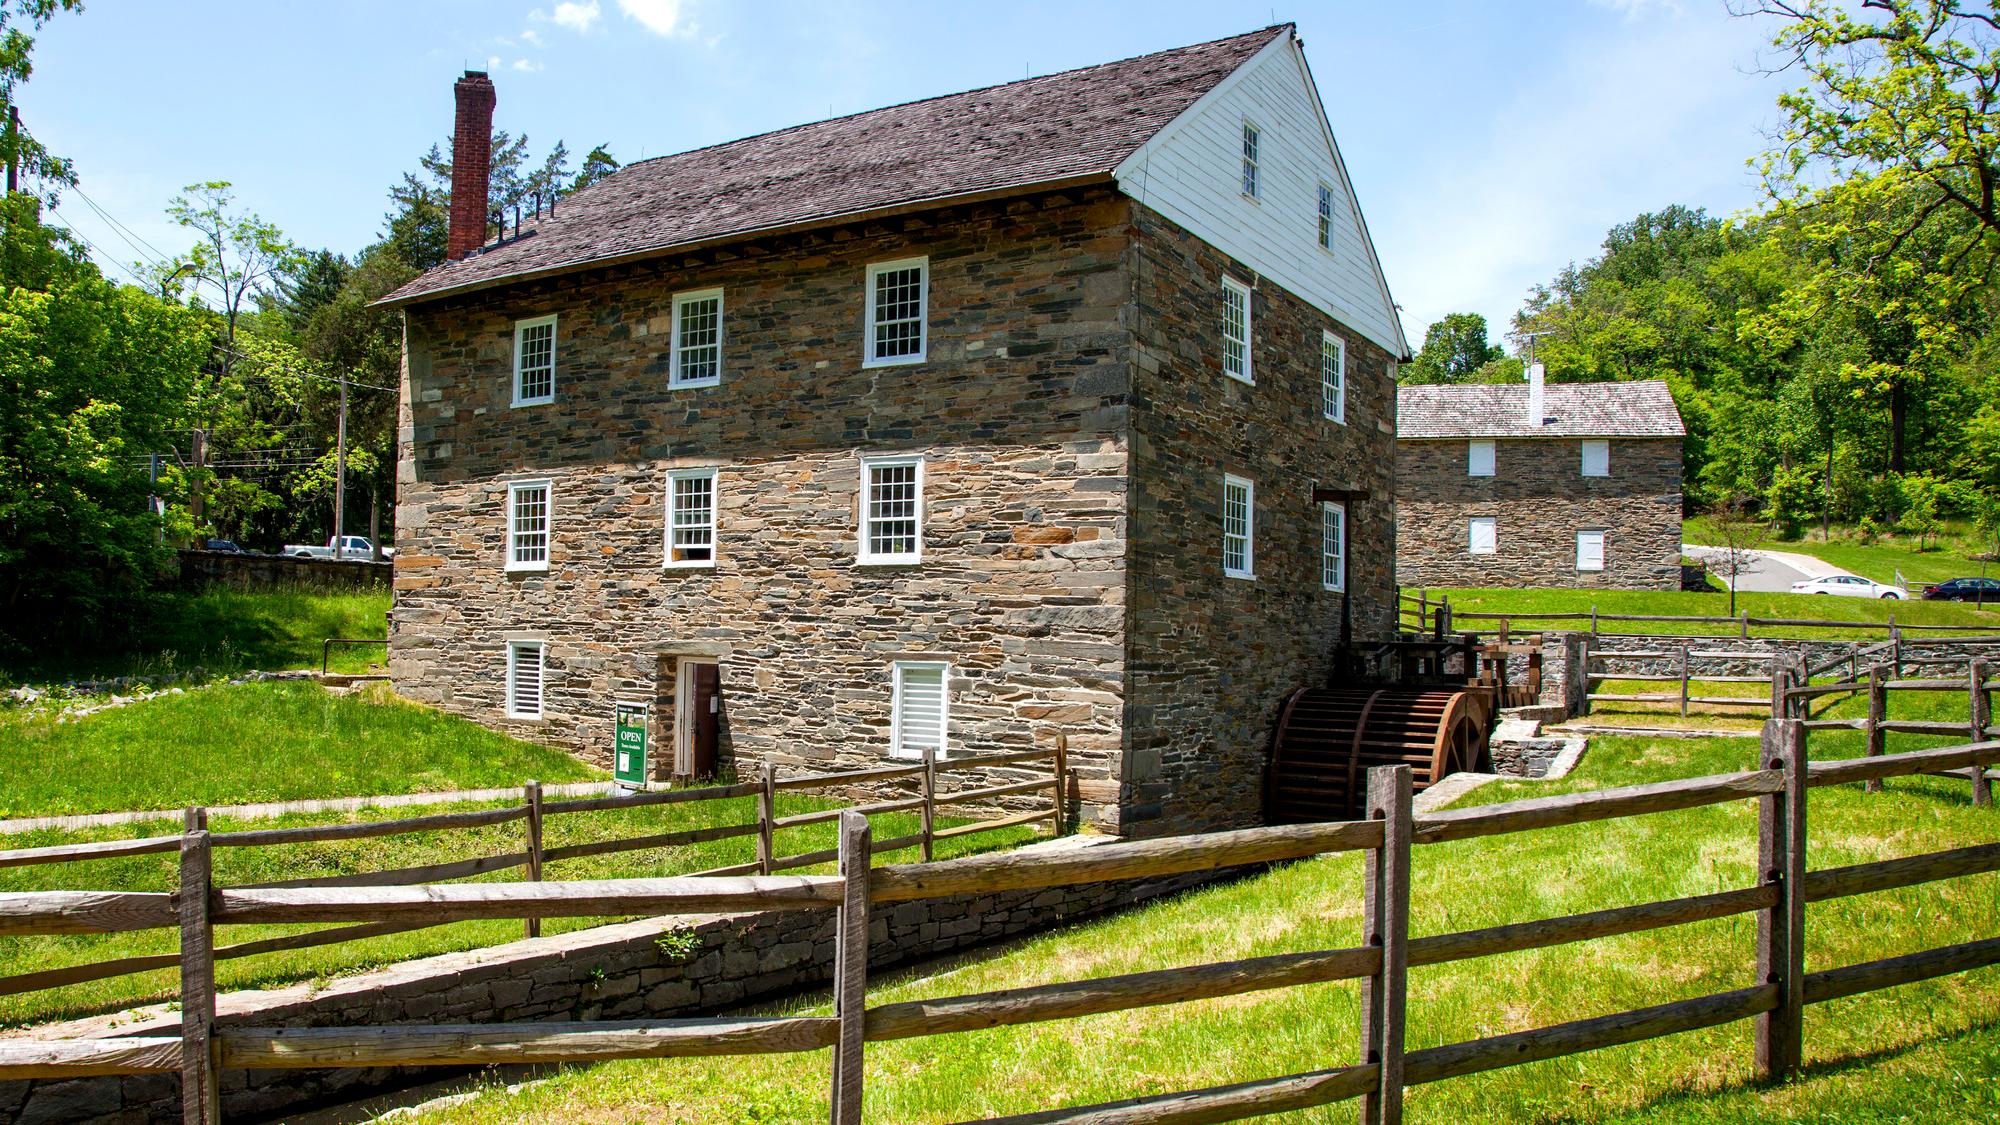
x=1333 y=545
x=892 y=496
x=896 y=303
x=1325 y=217
x=1236 y=330
x=528 y=525
x=524 y=679
x=697 y=347
x=1590 y=550
x=918 y=710
x=534 y=361
x=1479 y=458
x=1239 y=527
x=1333 y=376
x=1597 y=458
x=1249 y=160
x=1483 y=533
x=691 y=517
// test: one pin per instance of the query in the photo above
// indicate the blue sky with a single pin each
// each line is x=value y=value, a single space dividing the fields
x=1490 y=143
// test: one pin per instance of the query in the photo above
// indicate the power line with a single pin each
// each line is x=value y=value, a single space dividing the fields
x=85 y=239
x=126 y=233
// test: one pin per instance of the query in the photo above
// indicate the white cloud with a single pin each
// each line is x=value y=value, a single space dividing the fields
x=532 y=37
x=492 y=62
x=527 y=65
x=661 y=17
x=1634 y=9
x=577 y=15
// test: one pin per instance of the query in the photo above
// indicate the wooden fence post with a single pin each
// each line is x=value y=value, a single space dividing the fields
x=850 y=969
x=1684 y=681
x=767 y=813
x=200 y=1103
x=532 y=793
x=1386 y=923
x=1743 y=626
x=1781 y=860
x=1878 y=713
x=929 y=810
x=1061 y=782
x=1593 y=621
x=1780 y=680
x=1979 y=709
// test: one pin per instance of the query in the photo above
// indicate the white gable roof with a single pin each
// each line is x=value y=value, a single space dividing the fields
x=1191 y=172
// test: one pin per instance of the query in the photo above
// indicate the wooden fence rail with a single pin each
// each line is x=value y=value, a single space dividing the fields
x=106 y=912
x=1383 y=1069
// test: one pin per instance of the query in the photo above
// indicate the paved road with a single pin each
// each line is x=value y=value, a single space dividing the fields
x=1770 y=572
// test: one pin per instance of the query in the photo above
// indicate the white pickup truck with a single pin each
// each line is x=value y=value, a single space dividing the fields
x=347 y=547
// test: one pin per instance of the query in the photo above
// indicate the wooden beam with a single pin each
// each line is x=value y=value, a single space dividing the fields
x=850 y=970
x=1603 y=804
x=593 y=897
x=1214 y=1103
x=1908 y=871
x=1543 y=932
x=26 y=913
x=1852 y=980
x=84 y=1058
x=260 y=1048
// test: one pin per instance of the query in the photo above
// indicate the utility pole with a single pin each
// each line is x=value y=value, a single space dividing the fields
x=200 y=459
x=340 y=476
x=13 y=149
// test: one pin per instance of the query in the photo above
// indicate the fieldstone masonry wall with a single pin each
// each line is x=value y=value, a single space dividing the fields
x=651 y=969
x=1539 y=500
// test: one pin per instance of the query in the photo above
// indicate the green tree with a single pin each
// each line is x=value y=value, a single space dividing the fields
x=1455 y=349
x=18 y=146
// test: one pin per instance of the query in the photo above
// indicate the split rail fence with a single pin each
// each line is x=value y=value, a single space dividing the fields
x=1420 y=612
x=1381 y=1070
x=1793 y=694
x=533 y=857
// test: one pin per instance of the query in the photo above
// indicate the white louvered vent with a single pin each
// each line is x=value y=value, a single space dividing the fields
x=920 y=710
x=524 y=680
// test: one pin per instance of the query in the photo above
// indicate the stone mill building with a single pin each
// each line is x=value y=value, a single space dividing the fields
x=1568 y=485
x=1064 y=406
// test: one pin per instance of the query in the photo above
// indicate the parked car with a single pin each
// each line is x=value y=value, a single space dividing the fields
x=352 y=547
x=227 y=546
x=1980 y=590
x=1848 y=586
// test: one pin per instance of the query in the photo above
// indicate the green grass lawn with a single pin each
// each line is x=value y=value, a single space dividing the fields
x=235 y=744
x=1880 y=560
x=1676 y=603
x=224 y=632
x=1317 y=905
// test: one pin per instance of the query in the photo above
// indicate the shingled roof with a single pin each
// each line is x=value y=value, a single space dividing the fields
x=1643 y=408
x=1057 y=128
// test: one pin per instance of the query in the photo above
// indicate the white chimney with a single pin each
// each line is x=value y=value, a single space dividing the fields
x=1535 y=412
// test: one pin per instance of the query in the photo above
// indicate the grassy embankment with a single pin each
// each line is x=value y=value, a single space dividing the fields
x=262 y=742
x=224 y=633
x=1950 y=557
x=1675 y=603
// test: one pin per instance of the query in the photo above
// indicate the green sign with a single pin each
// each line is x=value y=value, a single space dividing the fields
x=629 y=745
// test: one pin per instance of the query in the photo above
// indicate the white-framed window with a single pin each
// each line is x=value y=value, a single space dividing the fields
x=918 y=713
x=1483 y=535
x=1333 y=377
x=1239 y=527
x=1333 y=545
x=1590 y=550
x=524 y=679
x=1236 y=330
x=898 y=296
x=1597 y=458
x=535 y=361
x=1479 y=458
x=691 y=517
x=892 y=509
x=529 y=504
x=697 y=339
x=1250 y=137
x=1325 y=216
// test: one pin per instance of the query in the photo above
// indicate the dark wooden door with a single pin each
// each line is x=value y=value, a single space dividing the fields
x=704 y=739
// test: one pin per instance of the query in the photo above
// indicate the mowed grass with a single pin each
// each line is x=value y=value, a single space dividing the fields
x=1880 y=560
x=224 y=632
x=233 y=744
x=1676 y=603
x=1461 y=885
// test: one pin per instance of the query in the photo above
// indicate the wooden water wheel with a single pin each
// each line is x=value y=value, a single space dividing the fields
x=1328 y=739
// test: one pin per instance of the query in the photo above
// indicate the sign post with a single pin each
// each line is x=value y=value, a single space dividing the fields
x=629 y=745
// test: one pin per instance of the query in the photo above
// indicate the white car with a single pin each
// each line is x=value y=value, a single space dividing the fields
x=1847 y=586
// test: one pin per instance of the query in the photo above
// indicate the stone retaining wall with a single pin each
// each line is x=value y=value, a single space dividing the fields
x=656 y=968
x=202 y=569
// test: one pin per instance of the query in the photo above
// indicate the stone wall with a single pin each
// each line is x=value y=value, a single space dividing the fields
x=201 y=569
x=1212 y=657
x=1019 y=412
x=652 y=969
x=1539 y=500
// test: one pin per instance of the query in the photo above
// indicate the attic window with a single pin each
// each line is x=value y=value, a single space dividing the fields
x=697 y=347
x=896 y=302
x=1332 y=377
x=1325 y=217
x=1479 y=458
x=1597 y=458
x=534 y=361
x=1249 y=160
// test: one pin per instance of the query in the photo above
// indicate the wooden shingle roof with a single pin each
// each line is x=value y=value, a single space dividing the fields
x=1643 y=408
x=1074 y=126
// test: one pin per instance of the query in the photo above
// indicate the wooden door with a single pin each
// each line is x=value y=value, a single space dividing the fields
x=704 y=718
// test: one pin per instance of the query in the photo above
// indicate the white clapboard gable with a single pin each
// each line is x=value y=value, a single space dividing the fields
x=1192 y=172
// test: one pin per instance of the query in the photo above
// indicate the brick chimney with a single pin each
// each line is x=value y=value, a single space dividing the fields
x=471 y=163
